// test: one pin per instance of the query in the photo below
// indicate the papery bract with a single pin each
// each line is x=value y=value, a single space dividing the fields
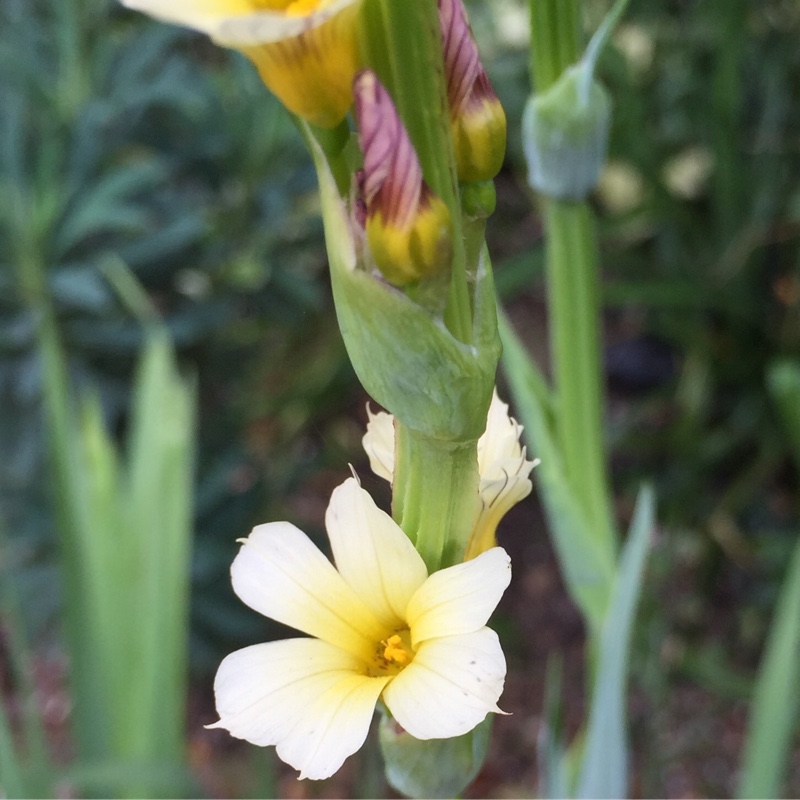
x=383 y=628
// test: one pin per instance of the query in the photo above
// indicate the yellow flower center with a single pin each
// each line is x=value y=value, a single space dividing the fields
x=394 y=650
x=392 y=654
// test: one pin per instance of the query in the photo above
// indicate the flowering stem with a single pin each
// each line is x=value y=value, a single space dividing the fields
x=403 y=45
x=435 y=497
x=572 y=278
x=572 y=267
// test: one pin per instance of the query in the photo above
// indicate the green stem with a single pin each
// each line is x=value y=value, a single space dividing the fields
x=556 y=42
x=435 y=494
x=572 y=277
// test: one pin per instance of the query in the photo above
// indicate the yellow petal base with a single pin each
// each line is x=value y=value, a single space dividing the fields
x=406 y=256
x=312 y=74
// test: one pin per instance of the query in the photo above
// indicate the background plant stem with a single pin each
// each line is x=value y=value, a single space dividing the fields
x=572 y=280
x=572 y=285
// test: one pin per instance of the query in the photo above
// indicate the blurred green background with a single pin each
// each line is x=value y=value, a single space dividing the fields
x=127 y=142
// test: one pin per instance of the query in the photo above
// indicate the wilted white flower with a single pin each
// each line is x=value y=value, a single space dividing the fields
x=502 y=467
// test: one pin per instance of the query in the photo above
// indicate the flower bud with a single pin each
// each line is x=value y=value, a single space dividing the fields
x=408 y=228
x=565 y=135
x=477 y=120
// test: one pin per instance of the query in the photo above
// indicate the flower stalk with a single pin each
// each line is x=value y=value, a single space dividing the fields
x=438 y=503
x=435 y=485
x=572 y=285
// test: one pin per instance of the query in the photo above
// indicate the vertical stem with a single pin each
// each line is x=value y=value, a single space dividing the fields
x=572 y=282
x=556 y=42
x=572 y=277
x=435 y=491
x=437 y=503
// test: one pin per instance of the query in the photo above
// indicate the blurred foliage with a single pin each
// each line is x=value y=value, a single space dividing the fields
x=699 y=212
x=123 y=140
x=700 y=223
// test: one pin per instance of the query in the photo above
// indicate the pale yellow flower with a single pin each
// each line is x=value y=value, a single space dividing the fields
x=383 y=628
x=305 y=50
x=502 y=467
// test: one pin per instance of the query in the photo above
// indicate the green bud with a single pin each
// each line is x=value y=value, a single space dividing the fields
x=479 y=199
x=435 y=767
x=565 y=135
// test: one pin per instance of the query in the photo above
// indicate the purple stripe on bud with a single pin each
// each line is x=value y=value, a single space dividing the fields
x=461 y=59
x=392 y=182
x=477 y=120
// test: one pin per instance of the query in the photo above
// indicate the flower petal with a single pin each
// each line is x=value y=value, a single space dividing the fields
x=499 y=442
x=373 y=554
x=307 y=55
x=304 y=696
x=202 y=15
x=450 y=686
x=238 y=23
x=282 y=575
x=264 y=27
x=378 y=443
x=459 y=599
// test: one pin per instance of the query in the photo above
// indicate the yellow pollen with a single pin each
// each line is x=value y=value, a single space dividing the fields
x=394 y=650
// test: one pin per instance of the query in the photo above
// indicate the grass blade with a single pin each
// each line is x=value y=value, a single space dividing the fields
x=604 y=769
x=773 y=715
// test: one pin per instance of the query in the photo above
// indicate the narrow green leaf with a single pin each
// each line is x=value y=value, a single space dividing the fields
x=773 y=715
x=605 y=764
x=783 y=380
x=159 y=514
x=551 y=752
x=776 y=700
x=586 y=565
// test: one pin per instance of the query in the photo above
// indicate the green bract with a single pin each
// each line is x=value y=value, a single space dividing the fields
x=404 y=356
x=434 y=767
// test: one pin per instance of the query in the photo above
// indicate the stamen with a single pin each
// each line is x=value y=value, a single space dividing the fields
x=394 y=650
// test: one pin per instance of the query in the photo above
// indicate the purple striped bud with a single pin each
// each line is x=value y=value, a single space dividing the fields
x=477 y=120
x=407 y=226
